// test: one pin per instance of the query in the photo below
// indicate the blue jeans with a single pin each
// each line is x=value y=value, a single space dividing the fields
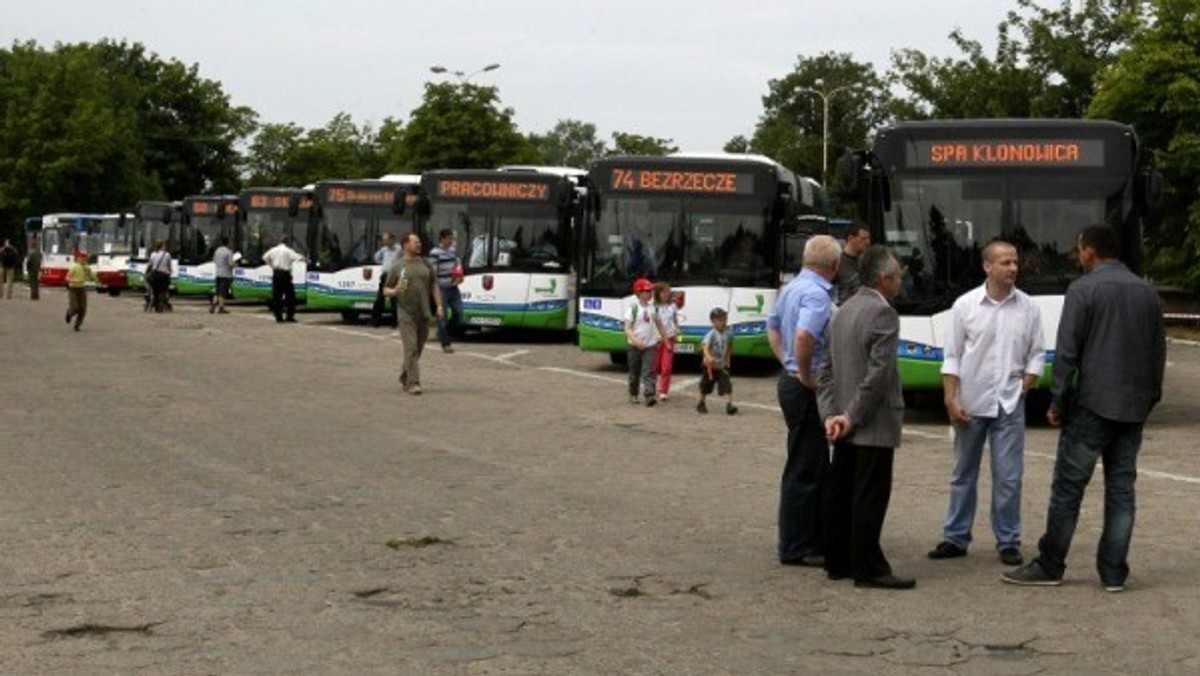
x=452 y=313
x=1005 y=435
x=805 y=474
x=1085 y=438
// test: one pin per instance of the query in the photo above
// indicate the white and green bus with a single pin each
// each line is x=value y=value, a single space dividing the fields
x=205 y=219
x=725 y=230
x=515 y=233
x=938 y=191
x=351 y=217
x=268 y=214
x=153 y=221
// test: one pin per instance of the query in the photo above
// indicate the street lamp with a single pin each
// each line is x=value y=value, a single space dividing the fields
x=825 y=95
x=462 y=76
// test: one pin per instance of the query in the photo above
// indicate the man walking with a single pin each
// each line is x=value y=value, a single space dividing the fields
x=1108 y=374
x=858 y=238
x=384 y=257
x=281 y=257
x=796 y=331
x=78 y=277
x=861 y=399
x=33 y=268
x=994 y=354
x=223 y=264
x=411 y=281
x=10 y=258
x=449 y=275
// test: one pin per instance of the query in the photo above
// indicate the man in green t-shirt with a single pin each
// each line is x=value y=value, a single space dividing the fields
x=411 y=281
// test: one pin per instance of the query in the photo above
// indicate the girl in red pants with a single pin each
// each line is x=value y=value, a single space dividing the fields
x=668 y=321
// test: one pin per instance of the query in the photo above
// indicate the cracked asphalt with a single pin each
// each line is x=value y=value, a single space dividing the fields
x=197 y=494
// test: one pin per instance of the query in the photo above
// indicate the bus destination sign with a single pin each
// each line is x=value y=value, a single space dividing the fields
x=1006 y=153
x=493 y=190
x=669 y=180
x=205 y=207
x=269 y=201
x=360 y=195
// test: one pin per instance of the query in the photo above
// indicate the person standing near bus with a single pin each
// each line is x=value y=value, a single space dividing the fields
x=642 y=332
x=158 y=277
x=384 y=257
x=796 y=331
x=994 y=354
x=668 y=319
x=1109 y=358
x=445 y=260
x=858 y=238
x=863 y=409
x=33 y=268
x=10 y=258
x=77 y=279
x=223 y=265
x=281 y=257
x=412 y=283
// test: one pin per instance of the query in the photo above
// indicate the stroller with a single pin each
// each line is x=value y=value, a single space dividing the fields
x=158 y=291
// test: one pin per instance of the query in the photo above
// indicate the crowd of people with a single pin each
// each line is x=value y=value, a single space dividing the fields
x=840 y=385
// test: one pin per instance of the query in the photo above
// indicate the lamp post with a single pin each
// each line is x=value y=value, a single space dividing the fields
x=462 y=76
x=825 y=95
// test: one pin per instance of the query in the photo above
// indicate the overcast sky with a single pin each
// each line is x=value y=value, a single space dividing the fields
x=694 y=71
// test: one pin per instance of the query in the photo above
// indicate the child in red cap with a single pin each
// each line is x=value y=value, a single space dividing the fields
x=642 y=331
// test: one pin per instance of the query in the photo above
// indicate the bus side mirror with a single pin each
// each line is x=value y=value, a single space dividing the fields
x=121 y=221
x=422 y=205
x=1152 y=188
x=850 y=165
x=293 y=208
x=185 y=217
x=593 y=202
x=399 y=200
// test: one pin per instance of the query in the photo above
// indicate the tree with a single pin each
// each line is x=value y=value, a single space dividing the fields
x=459 y=125
x=634 y=144
x=1154 y=86
x=269 y=159
x=570 y=143
x=1045 y=64
x=791 y=127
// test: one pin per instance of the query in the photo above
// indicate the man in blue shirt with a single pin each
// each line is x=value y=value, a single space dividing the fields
x=796 y=330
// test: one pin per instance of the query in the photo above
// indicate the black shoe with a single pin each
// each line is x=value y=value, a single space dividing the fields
x=77 y=327
x=404 y=380
x=447 y=349
x=730 y=408
x=836 y=575
x=650 y=400
x=291 y=319
x=1011 y=556
x=279 y=320
x=701 y=408
x=1031 y=575
x=807 y=561
x=947 y=550
x=67 y=319
x=886 y=582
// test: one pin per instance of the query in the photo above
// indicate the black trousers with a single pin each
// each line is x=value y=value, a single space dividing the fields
x=860 y=487
x=801 y=522
x=283 y=295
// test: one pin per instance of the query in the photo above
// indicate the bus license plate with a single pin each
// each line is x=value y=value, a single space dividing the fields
x=363 y=305
x=685 y=348
x=485 y=321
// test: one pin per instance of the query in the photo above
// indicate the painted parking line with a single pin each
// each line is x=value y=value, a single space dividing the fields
x=352 y=332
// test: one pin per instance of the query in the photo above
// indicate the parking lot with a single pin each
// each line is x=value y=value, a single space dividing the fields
x=188 y=493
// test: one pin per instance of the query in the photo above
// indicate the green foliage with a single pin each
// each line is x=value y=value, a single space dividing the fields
x=457 y=126
x=570 y=143
x=96 y=127
x=635 y=144
x=1155 y=86
x=791 y=129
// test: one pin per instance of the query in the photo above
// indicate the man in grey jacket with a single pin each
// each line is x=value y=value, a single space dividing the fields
x=863 y=407
x=1108 y=374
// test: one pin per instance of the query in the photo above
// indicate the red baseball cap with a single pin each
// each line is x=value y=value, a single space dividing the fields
x=643 y=285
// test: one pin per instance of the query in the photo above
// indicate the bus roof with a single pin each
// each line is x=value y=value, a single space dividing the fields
x=569 y=172
x=1007 y=124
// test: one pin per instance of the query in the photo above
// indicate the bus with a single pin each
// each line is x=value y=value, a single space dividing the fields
x=268 y=213
x=62 y=235
x=938 y=191
x=153 y=221
x=110 y=244
x=515 y=229
x=205 y=219
x=725 y=230
x=351 y=217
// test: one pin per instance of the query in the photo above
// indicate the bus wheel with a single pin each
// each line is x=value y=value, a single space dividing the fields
x=618 y=358
x=349 y=316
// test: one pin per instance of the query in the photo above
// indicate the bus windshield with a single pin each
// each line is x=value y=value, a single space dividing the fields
x=939 y=225
x=201 y=236
x=110 y=237
x=683 y=241
x=510 y=236
x=262 y=230
x=349 y=235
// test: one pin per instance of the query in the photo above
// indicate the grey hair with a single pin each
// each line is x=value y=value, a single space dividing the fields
x=876 y=262
x=822 y=250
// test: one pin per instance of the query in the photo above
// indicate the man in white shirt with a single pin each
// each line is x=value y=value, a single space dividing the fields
x=994 y=354
x=283 y=291
x=384 y=258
